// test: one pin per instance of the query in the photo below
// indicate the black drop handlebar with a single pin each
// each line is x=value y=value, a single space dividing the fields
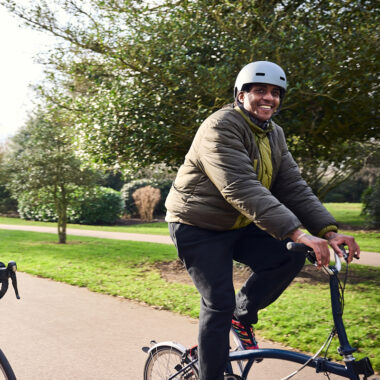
x=5 y=273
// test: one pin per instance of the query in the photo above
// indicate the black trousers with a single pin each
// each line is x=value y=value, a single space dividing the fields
x=208 y=256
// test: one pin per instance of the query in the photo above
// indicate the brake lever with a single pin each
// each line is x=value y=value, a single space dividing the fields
x=12 y=267
x=14 y=283
x=344 y=253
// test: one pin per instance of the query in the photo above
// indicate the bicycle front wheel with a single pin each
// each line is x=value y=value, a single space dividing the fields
x=165 y=361
x=6 y=371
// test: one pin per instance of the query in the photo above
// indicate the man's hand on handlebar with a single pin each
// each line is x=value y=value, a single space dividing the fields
x=335 y=240
x=319 y=246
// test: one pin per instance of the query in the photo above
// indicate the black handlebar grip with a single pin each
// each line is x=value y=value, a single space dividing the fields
x=299 y=247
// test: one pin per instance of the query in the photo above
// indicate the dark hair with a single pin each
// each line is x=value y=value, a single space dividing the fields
x=247 y=87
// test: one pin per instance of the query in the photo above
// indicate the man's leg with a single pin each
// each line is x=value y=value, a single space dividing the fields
x=208 y=258
x=274 y=268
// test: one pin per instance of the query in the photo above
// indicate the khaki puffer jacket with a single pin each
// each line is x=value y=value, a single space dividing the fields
x=235 y=174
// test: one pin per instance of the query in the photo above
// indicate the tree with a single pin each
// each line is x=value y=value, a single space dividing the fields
x=371 y=201
x=143 y=77
x=42 y=159
x=8 y=205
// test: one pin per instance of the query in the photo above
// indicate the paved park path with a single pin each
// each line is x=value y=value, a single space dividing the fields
x=62 y=332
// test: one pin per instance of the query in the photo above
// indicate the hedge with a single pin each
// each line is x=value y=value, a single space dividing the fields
x=99 y=206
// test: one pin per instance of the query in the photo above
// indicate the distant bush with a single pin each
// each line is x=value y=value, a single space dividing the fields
x=99 y=206
x=348 y=191
x=102 y=206
x=371 y=201
x=33 y=208
x=146 y=199
x=112 y=180
x=8 y=205
x=129 y=188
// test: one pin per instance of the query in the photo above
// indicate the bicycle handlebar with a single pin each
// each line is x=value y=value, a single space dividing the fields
x=310 y=255
x=5 y=273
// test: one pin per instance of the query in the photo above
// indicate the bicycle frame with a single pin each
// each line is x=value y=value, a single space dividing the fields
x=352 y=368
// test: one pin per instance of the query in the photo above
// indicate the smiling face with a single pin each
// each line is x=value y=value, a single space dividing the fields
x=261 y=101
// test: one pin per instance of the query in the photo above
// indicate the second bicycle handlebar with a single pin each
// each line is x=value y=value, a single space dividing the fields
x=310 y=255
x=5 y=273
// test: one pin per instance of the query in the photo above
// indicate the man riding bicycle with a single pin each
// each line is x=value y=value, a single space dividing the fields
x=240 y=196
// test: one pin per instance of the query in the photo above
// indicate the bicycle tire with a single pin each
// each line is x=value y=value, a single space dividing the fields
x=5 y=368
x=164 y=361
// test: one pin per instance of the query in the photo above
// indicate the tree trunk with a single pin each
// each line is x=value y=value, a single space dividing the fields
x=61 y=206
x=62 y=229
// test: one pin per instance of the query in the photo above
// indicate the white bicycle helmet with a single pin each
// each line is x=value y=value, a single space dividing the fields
x=260 y=72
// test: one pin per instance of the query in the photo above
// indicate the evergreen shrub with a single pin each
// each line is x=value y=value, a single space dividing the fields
x=100 y=205
x=348 y=191
x=8 y=205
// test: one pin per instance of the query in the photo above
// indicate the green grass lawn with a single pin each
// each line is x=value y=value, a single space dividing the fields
x=347 y=213
x=301 y=318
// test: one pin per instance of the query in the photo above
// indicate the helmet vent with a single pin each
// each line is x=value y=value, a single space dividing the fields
x=282 y=78
x=260 y=74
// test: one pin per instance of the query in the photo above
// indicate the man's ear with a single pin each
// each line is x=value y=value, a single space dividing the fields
x=240 y=96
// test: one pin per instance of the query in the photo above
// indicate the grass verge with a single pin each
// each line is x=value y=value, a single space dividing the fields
x=347 y=213
x=301 y=317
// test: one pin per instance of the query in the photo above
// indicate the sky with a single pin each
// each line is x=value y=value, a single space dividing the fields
x=18 y=70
